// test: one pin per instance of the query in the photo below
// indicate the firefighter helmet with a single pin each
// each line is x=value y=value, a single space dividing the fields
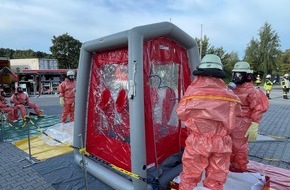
x=70 y=74
x=211 y=61
x=242 y=66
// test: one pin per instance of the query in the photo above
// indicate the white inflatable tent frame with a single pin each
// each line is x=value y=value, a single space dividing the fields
x=133 y=39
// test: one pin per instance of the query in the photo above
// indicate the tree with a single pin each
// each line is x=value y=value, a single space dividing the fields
x=263 y=53
x=6 y=52
x=22 y=54
x=204 y=45
x=284 y=66
x=228 y=59
x=66 y=50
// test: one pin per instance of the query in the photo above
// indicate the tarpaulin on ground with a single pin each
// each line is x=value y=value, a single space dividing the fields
x=55 y=140
x=19 y=129
x=64 y=174
x=238 y=181
x=279 y=177
x=40 y=150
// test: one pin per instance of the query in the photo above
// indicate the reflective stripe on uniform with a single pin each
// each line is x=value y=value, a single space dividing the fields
x=210 y=97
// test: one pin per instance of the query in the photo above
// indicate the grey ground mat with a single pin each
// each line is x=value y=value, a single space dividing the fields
x=64 y=174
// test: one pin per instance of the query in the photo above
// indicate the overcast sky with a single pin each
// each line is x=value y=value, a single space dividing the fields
x=231 y=24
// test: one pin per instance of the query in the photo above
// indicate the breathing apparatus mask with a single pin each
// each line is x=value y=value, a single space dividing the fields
x=241 y=74
x=70 y=75
x=239 y=77
x=19 y=90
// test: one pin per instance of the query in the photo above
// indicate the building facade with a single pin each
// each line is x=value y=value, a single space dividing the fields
x=38 y=76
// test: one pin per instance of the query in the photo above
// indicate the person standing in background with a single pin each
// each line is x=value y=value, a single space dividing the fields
x=67 y=96
x=285 y=85
x=268 y=85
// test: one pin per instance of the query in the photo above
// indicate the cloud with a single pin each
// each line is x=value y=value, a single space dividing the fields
x=231 y=24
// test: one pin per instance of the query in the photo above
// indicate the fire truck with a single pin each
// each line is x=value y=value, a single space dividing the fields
x=7 y=77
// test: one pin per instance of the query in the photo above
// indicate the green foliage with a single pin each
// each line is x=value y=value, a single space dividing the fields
x=284 y=63
x=66 y=50
x=228 y=59
x=204 y=44
x=264 y=53
x=6 y=52
x=22 y=54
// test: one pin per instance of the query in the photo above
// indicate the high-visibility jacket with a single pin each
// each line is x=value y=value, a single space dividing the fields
x=268 y=85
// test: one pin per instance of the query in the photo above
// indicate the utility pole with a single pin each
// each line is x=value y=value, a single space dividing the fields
x=200 y=43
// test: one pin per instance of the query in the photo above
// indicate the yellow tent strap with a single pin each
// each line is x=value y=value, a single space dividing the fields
x=83 y=151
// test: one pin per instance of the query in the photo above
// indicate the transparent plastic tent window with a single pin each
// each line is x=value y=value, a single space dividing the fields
x=164 y=90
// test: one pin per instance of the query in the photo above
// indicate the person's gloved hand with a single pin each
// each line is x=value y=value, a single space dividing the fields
x=61 y=101
x=252 y=132
x=232 y=85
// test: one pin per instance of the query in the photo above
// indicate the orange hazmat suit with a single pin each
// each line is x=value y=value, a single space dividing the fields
x=20 y=100
x=5 y=108
x=254 y=103
x=67 y=91
x=208 y=110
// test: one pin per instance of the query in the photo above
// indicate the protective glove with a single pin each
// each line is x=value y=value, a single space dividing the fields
x=61 y=101
x=252 y=132
x=232 y=85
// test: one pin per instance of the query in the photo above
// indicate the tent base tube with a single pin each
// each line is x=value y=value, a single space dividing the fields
x=107 y=176
x=165 y=178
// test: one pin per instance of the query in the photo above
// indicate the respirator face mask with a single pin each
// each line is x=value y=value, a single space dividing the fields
x=71 y=77
x=239 y=77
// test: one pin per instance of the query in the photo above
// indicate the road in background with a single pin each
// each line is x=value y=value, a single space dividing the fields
x=49 y=103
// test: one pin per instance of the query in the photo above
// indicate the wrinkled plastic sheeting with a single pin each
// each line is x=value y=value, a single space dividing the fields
x=237 y=181
x=62 y=132
x=165 y=69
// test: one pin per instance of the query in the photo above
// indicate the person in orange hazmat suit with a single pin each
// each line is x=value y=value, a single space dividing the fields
x=20 y=99
x=67 y=96
x=5 y=108
x=254 y=103
x=208 y=109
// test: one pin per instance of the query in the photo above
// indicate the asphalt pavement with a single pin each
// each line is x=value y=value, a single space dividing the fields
x=49 y=103
x=274 y=150
x=271 y=148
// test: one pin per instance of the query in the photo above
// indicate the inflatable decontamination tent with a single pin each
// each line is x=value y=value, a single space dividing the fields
x=128 y=87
